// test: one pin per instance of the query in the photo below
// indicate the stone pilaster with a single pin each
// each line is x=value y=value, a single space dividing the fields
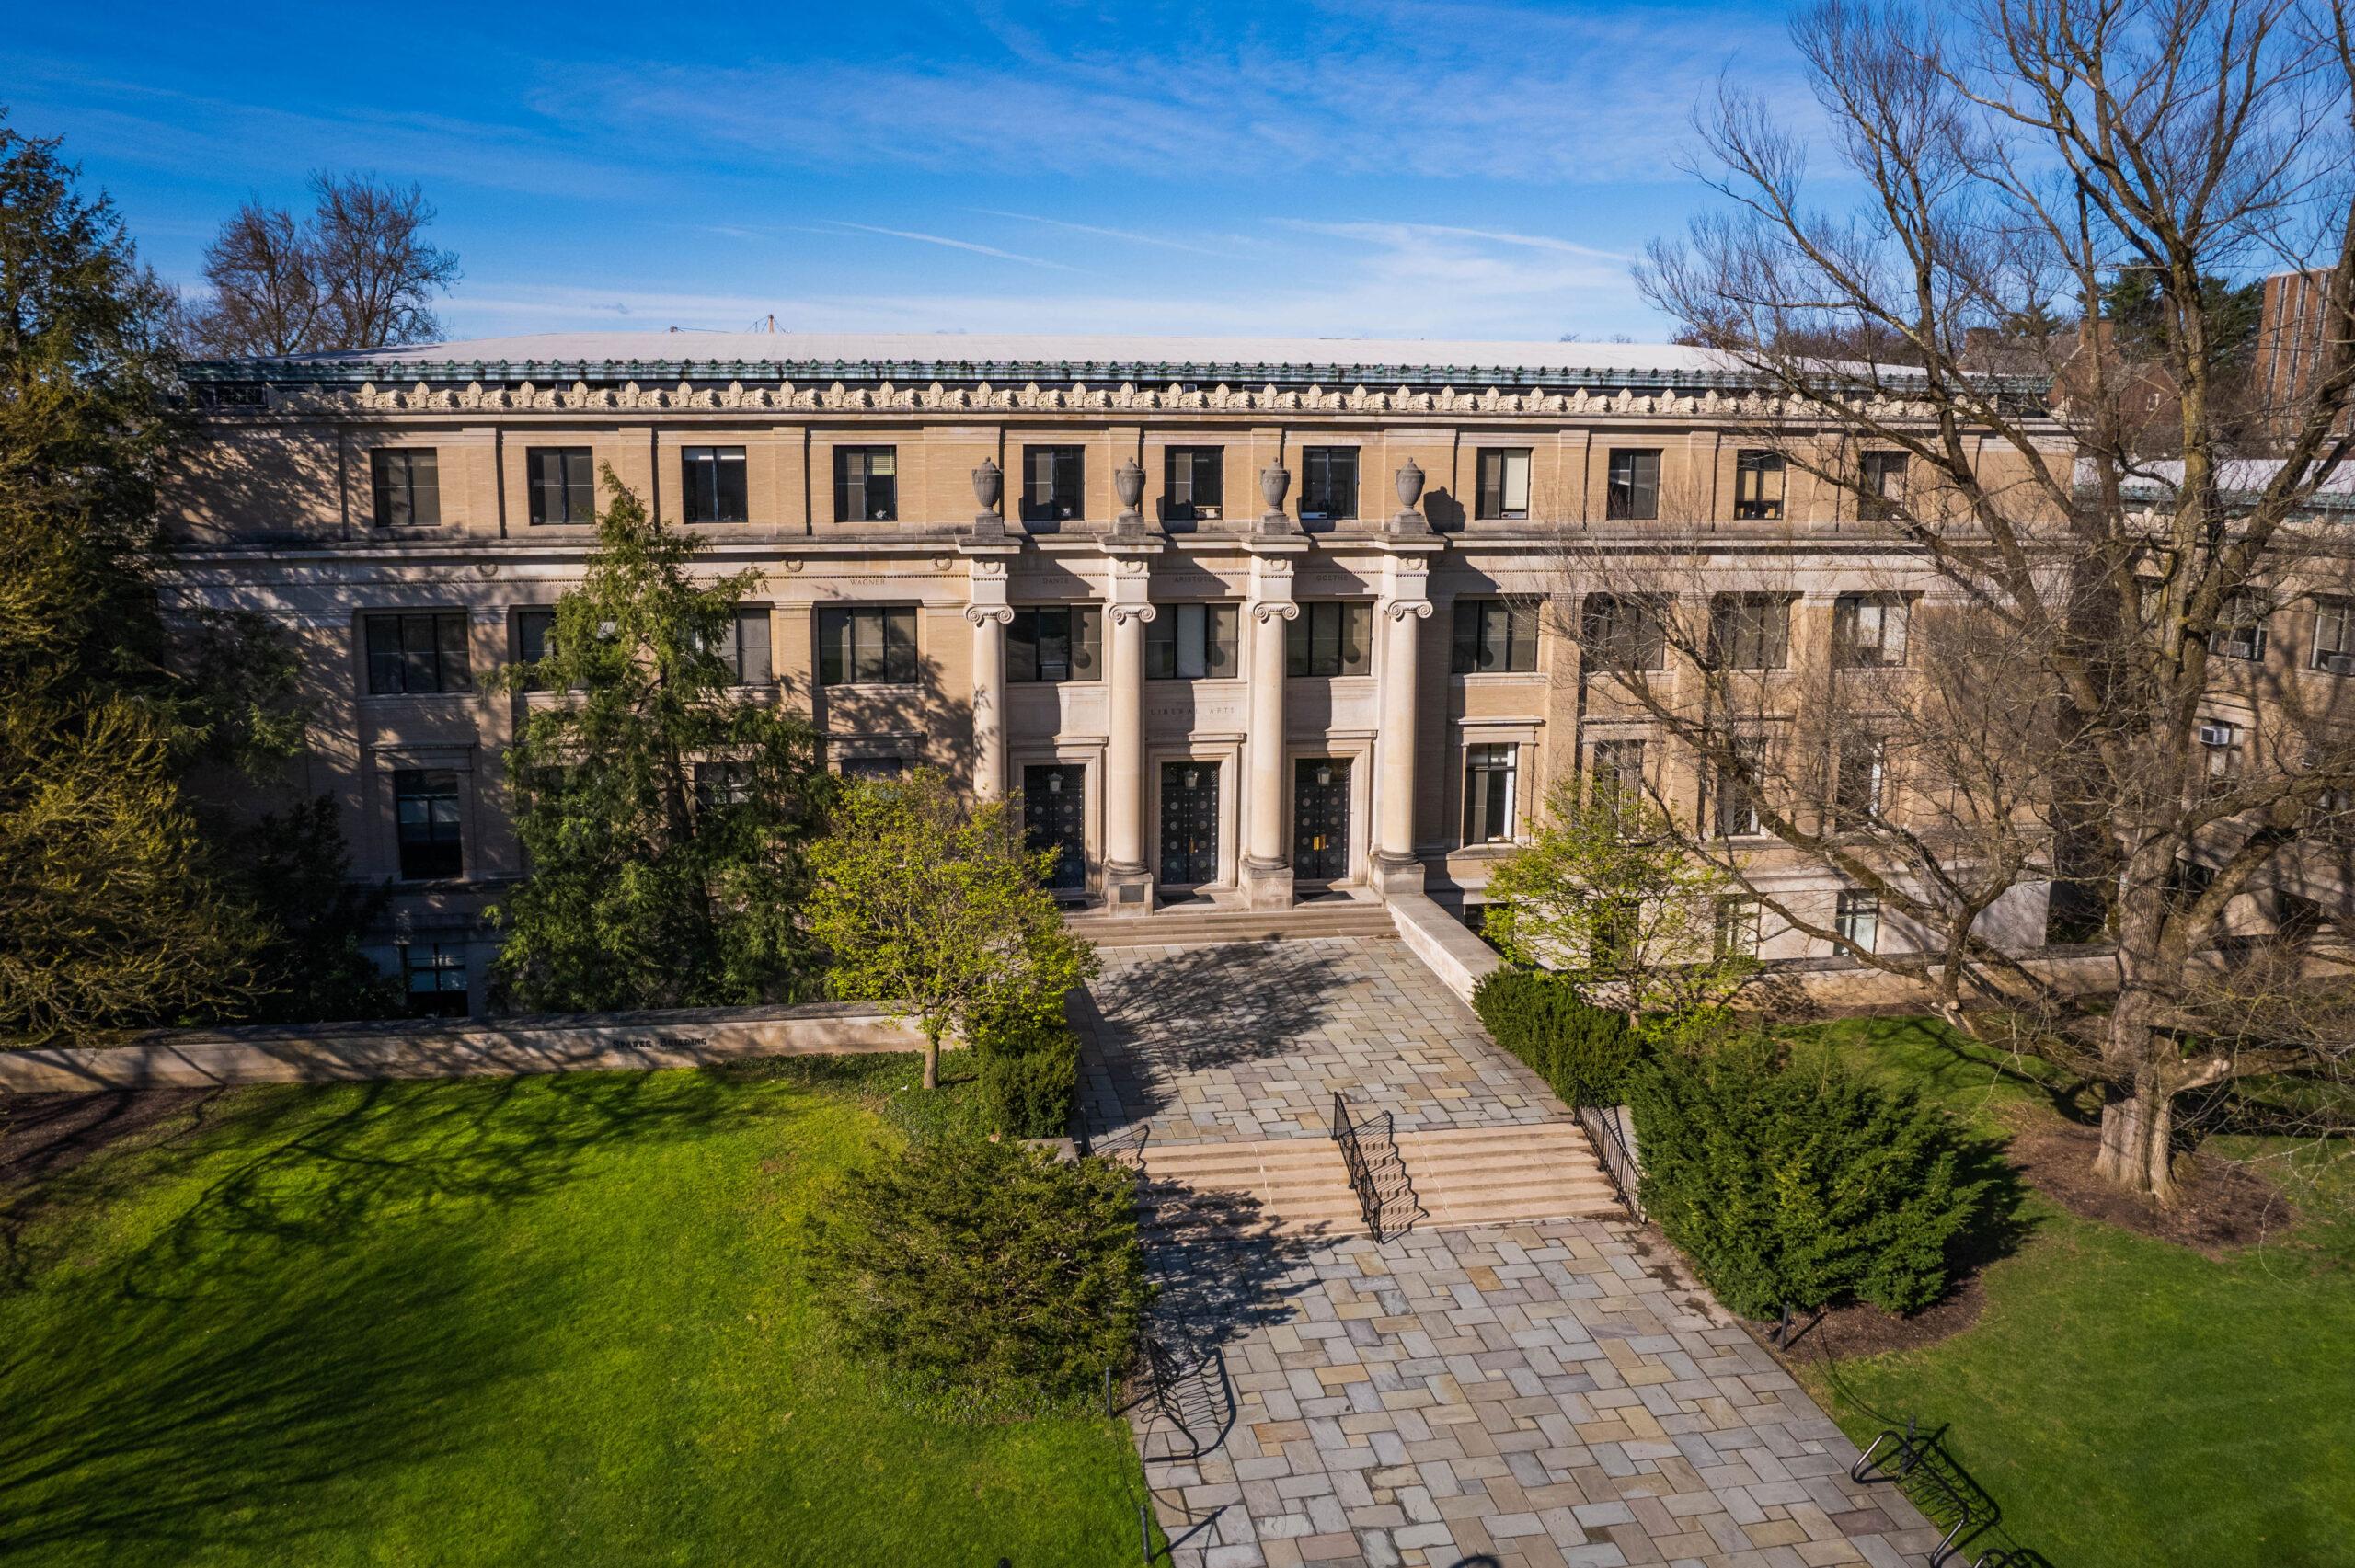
x=1266 y=873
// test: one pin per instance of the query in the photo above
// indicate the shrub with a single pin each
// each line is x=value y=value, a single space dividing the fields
x=1793 y=1180
x=986 y=1267
x=1582 y=1052
x=1029 y=1069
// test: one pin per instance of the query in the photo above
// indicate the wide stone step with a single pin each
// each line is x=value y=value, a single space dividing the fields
x=1181 y=926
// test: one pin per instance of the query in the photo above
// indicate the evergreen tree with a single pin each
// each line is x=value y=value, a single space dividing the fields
x=664 y=809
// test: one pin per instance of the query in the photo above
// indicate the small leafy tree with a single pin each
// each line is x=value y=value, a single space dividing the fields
x=935 y=906
x=1607 y=892
x=665 y=811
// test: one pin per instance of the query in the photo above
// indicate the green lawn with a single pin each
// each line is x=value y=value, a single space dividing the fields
x=547 y=1320
x=2124 y=1401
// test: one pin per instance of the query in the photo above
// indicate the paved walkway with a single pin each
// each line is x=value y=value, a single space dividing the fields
x=1248 y=1040
x=1525 y=1395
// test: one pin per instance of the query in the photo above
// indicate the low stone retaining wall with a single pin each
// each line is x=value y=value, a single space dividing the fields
x=194 y=1058
x=1445 y=945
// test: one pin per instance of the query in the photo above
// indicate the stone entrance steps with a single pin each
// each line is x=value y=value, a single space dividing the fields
x=1299 y=1186
x=1182 y=925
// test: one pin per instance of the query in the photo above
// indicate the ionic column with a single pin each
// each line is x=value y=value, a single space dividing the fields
x=990 y=621
x=1128 y=884
x=1396 y=869
x=1266 y=874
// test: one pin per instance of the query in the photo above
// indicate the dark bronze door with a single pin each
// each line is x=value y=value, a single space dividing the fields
x=1054 y=815
x=1189 y=824
x=1320 y=822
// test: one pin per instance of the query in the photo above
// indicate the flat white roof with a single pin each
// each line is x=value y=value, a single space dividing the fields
x=953 y=348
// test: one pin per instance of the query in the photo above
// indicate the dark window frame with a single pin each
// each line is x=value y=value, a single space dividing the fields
x=897 y=659
x=428 y=654
x=1166 y=637
x=1184 y=496
x=1491 y=790
x=562 y=479
x=1750 y=631
x=431 y=840
x=2334 y=639
x=1631 y=488
x=1317 y=642
x=1752 y=469
x=713 y=486
x=1847 y=618
x=443 y=960
x=1060 y=494
x=1880 y=483
x=1856 y=914
x=1493 y=636
x=1492 y=503
x=398 y=496
x=865 y=496
x=1622 y=632
x=1055 y=644
x=1328 y=486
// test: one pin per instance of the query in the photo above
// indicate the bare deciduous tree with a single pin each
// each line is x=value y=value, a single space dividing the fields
x=356 y=274
x=2078 y=603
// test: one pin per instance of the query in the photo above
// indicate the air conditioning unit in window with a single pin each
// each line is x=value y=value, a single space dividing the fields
x=2237 y=642
x=2215 y=735
x=2336 y=663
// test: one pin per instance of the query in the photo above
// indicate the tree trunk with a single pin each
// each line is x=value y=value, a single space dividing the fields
x=932 y=1062
x=2137 y=1135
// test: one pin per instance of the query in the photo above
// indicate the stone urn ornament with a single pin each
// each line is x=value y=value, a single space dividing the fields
x=1274 y=480
x=1409 y=481
x=989 y=483
x=1128 y=483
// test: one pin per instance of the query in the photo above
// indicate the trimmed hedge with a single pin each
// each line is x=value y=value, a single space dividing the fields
x=1029 y=1070
x=986 y=1267
x=1582 y=1052
x=1790 y=1179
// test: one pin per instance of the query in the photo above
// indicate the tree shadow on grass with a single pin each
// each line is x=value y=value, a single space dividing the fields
x=330 y=1307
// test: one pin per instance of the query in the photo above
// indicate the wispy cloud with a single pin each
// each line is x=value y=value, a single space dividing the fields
x=1130 y=235
x=955 y=244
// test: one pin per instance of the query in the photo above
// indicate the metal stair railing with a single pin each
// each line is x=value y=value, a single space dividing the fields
x=1377 y=1174
x=1610 y=1150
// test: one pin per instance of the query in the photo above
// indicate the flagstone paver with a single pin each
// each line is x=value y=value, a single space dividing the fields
x=1250 y=1040
x=1535 y=1395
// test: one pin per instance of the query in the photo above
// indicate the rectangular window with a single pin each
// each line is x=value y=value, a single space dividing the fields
x=1736 y=927
x=1617 y=775
x=1868 y=630
x=867 y=484
x=1193 y=642
x=1856 y=788
x=712 y=479
x=866 y=647
x=1757 y=486
x=746 y=653
x=2335 y=636
x=1881 y=475
x=1504 y=483
x=1736 y=816
x=1624 y=631
x=407 y=484
x=1489 y=793
x=1328 y=483
x=1634 y=485
x=1492 y=637
x=563 y=482
x=413 y=655
x=1056 y=642
x=2240 y=625
x=437 y=979
x=1858 y=919
x=1053 y=477
x=535 y=640
x=722 y=784
x=425 y=804
x=1193 y=484
x=1331 y=639
x=2220 y=744
x=1750 y=631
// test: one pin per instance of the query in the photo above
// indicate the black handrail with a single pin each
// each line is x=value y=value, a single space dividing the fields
x=1610 y=1150
x=1377 y=1174
x=1354 y=1157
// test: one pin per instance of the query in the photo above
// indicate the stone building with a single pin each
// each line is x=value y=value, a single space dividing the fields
x=1245 y=623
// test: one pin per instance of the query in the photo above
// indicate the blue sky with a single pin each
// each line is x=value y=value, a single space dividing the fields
x=1447 y=170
